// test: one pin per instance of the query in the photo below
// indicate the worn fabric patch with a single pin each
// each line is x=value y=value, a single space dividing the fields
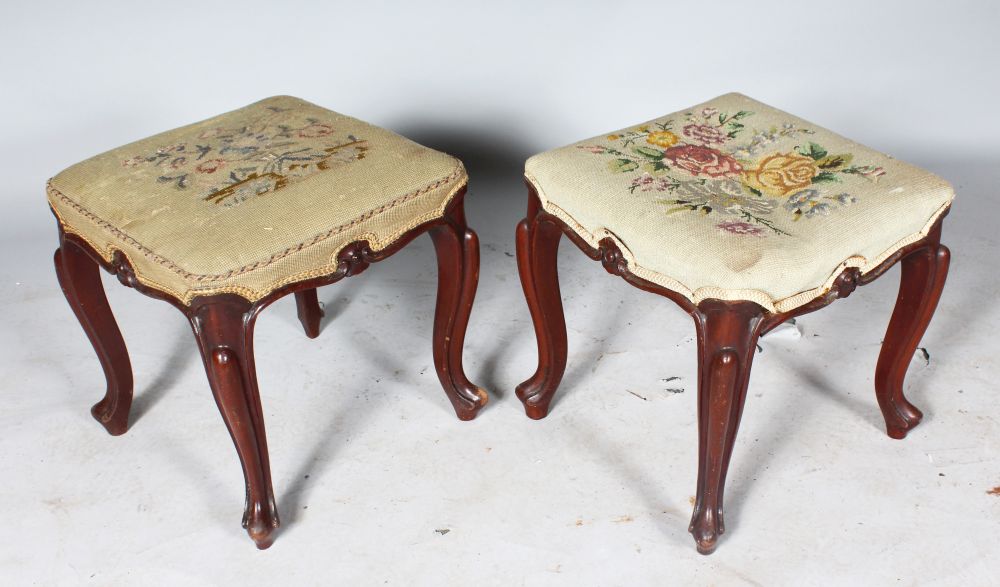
x=254 y=199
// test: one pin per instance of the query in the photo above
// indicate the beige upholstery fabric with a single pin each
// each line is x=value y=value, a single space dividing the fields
x=254 y=199
x=736 y=200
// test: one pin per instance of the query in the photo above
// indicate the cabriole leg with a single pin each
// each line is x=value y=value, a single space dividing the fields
x=80 y=279
x=223 y=326
x=457 y=248
x=727 y=338
x=923 y=275
x=537 y=255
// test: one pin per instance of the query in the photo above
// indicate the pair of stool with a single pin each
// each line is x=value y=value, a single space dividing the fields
x=742 y=214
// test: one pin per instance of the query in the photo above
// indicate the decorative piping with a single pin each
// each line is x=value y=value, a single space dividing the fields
x=755 y=295
x=201 y=278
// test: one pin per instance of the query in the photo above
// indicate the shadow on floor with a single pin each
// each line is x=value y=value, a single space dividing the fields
x=342 y=424
x=183 y=350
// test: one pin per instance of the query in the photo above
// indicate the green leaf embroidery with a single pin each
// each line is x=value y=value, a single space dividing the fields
x=825 y=176
x=762 y=221
x=636 y=156
x=834 y=161
x=814 y=151
x=649 y=152
x=623 y=165
x=859 y=169
x=676 y=209
x=655 y=168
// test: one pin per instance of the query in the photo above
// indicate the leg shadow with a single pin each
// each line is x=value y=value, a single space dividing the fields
x=182 y=352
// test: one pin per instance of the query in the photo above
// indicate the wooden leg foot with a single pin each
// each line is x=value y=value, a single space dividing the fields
x=923 y=276
x=727 y=337
x=80 y=279
x=457 y=248
x=223 y=326
x=261 y=523
x=537 y=255
x=536 y=410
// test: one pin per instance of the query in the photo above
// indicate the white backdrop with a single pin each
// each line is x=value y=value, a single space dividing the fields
x=499 y=79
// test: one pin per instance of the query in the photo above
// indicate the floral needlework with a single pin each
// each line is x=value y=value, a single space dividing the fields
x=715 y=163
x=230 y=165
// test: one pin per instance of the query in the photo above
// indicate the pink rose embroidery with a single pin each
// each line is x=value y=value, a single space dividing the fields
x=211 y=166
x=315 y=130
x=707 y=161
x=873 y=173
x=740 y=228
x=648 y=183
x=704 y=134
x=702 y=161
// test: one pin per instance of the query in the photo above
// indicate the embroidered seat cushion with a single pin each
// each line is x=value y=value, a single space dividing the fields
x=736 y=200
x=254 y=199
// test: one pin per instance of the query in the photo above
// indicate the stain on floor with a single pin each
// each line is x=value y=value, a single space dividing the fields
x=672 y=390
x=926 y=356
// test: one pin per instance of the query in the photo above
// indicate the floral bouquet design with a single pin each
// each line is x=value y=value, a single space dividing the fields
x=709 y=165
x=233 y=165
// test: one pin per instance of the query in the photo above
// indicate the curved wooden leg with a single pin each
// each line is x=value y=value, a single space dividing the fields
x=923 y=275
x=80 y=279
x=727 y=338
x=457 y=249
x=310 y=314
x=537 y=255
x=223 y=326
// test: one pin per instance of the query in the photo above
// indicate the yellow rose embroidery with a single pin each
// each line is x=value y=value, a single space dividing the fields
x=721 y=166
x=663 y=138
x=782 y=174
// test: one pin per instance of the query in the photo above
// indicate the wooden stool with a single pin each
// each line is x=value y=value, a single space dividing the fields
x=223 y=217
x=745 y=216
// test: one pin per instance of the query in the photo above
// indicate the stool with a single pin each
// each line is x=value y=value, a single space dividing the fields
x=225 y=216
x=746 y=217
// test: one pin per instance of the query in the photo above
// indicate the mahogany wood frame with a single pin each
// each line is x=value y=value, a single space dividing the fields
x=727 y=338
x=223 y=326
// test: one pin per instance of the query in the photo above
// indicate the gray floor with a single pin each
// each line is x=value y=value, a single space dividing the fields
x=378 y=482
